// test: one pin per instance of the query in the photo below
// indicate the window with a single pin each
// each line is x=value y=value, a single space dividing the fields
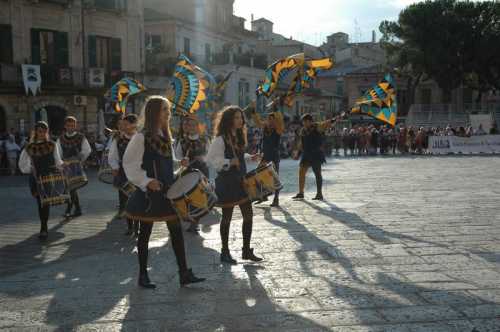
x=208 y=53
x=425 y=96
x=110 y=4
x=5 y=43
x=49 y=47
x=467 y=96
x=340 y=87
x=105 y=53
x=243 y=93
x=187 y=46
x=156 y=42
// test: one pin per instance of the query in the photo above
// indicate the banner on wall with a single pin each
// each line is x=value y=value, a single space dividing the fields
x=465 y=145
x=32 y=79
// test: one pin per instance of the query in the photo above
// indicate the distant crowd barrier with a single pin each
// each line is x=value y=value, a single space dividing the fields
x=486 y=144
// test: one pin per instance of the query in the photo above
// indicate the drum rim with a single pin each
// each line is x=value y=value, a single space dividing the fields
x=255 y=171
x=190 y=191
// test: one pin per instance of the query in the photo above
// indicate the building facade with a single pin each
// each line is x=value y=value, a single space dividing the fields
x=82 y=47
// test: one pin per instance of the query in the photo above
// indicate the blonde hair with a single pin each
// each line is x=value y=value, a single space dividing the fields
x=148 y=120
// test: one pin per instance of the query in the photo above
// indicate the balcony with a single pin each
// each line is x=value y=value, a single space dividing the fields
x=60 y=77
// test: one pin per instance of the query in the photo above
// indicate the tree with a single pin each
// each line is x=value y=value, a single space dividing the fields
x=452 y=42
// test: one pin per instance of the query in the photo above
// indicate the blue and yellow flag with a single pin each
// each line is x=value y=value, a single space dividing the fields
x=379 y=102
x=189 y=87
x=121 y=91
x=277 y=72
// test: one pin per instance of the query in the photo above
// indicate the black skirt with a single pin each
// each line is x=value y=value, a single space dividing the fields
x=229 y=189
x=150 y=206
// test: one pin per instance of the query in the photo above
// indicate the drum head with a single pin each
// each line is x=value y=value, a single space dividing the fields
x=183 y=185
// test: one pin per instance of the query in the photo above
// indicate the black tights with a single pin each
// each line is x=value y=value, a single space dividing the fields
x=227 y=215
x=176 y=237
x=43 y=213
x=75 y=200
x=316 y=167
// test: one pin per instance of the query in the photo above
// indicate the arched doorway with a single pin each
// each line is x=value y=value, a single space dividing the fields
x=3 y=121
x=54 y=115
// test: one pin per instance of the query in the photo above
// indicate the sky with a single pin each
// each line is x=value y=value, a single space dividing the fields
x=312 y=20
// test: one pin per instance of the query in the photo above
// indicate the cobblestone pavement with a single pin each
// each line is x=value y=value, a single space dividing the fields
x=401 y=244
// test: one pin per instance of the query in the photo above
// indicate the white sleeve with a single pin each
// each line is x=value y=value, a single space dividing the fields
x=59 y=147
x=215 y=155
x=57 y=158
x=85 y=153
x=113 y=156
x=25 y=162
x=132 y=161
x=178 y=150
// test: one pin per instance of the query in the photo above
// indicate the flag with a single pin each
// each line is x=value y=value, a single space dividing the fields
x=379 y=102
x=121 y=91
x=278 y=71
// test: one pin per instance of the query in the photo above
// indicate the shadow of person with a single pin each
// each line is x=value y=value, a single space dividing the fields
x=83 y=284
x=325 y=249
x=354 y=222
x=30 y=252
x=232 y=298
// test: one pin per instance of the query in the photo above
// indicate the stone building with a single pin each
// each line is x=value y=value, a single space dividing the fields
x=82 y=47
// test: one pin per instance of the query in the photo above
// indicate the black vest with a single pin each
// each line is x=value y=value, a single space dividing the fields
x=42 y=156
x=71 y=146
x=312 y=145
x=240 y=154
x=157 y=160
x=271 y=145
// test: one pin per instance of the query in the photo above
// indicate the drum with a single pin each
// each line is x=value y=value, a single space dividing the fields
x=52 y=189
x=105 y=172
x=262 y=182
x=192 y=195
x=75 y=175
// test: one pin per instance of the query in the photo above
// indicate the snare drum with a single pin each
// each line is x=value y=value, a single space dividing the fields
x=192 y=195
x=262 y=182
x=51 y=189
x=75 y=175
x=105 y=172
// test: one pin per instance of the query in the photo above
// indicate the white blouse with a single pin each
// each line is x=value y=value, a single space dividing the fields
x=132 y=162
x=114 y=155
x=85 y=149
x=26 y=166
x=215 y=156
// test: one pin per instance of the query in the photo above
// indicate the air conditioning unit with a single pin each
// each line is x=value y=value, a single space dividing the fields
x=80 y=100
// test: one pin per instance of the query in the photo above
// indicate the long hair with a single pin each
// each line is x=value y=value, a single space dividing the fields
x=148 y=121
x=224 y=124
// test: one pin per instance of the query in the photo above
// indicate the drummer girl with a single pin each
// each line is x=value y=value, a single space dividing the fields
x=116 y=151
x=227 y=155
x=40 y=158
x=192 y=146
x=149 y=164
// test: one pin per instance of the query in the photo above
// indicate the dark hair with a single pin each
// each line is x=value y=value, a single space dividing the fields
x=131 y=118
x=69 y=119
x=224 y=124
x=306 y=116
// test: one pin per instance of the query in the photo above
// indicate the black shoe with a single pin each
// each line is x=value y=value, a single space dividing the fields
x=144 y=281
x=43 y=235
x=77 y=213
x=67 y=214
x=249 y=255
x=298 y=196
x=225 y=257
x=187 y=277
x=275 y=203
x=318 y=197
